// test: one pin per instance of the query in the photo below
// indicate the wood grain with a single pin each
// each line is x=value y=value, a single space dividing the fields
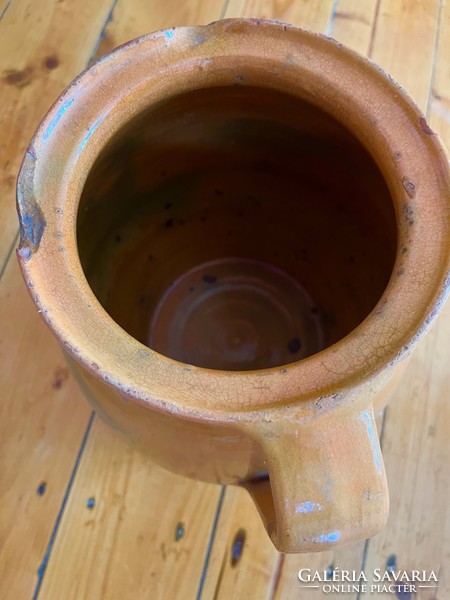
x=415 y=440
x=125 y=546
x=41 y=51
x=43 y=419
x=263 y=571
x=145 y=536
x=404 y=43
x=238 y=568
x=137 y=17
x=124 y=543
x=4 y=5
x=44 y=416
x=416 y=454
x=353 y=24
x=356 y=27
x=439 y=97
x=308 y=14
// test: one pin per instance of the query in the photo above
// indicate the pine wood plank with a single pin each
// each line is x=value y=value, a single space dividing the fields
x=4 y=5
x=261 y=571
x=416 y=453
x=439 y=101
x=71 y=544
x=415 y=440
x=259 y=568
x=145 y=537
x=404 y=42
x=125 y=546
x=243 y=560
x=138 y=17
x=44 y=417
x=308 y=14
x=428 y=524
x=353 y=24
x=42 y=48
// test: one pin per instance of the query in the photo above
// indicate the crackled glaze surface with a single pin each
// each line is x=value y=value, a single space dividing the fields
x=374 y=223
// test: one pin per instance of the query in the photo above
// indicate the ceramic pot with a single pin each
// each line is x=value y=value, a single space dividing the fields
x=238 y=233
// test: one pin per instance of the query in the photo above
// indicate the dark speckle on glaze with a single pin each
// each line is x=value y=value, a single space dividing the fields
x=294 y=345
x=409 y=187
x=409 y=213
x=169 y=223
x=209 y=278
x=41 y=489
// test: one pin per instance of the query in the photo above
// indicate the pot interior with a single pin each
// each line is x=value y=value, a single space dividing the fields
x=236 y=228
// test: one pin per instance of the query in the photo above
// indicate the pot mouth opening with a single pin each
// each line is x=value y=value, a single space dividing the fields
x=289 y=153
x=236 y=228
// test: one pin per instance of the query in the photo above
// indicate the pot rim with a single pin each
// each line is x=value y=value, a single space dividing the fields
x=120 y=85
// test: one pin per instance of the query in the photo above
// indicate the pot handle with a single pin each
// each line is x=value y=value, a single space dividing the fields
x=327 y=484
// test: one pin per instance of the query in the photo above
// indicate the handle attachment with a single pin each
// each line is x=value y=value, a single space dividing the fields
x=327 y=484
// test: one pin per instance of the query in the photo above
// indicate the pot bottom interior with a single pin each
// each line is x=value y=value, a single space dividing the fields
x=236 y=229
x=236 y=314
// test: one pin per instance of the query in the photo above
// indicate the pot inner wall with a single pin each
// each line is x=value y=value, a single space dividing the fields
x=236 y=228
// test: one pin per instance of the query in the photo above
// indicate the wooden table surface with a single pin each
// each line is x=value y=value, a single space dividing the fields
x=84 y=516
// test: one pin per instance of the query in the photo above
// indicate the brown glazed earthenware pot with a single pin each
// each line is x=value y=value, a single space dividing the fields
x=238 y=233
